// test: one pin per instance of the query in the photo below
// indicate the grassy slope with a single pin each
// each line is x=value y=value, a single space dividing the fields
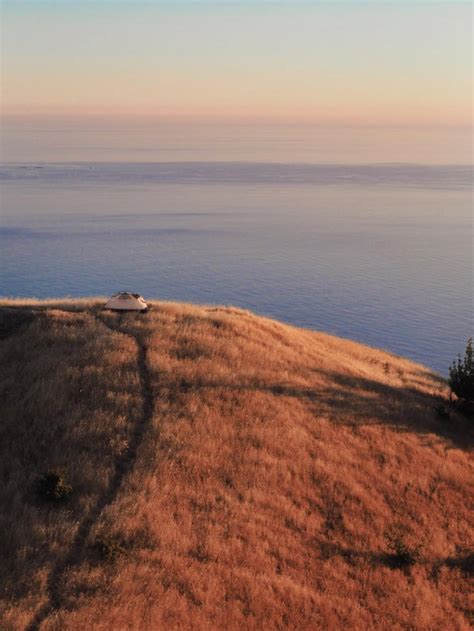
x=250 y=470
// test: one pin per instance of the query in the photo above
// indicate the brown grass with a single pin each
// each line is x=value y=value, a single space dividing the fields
x=228 y=472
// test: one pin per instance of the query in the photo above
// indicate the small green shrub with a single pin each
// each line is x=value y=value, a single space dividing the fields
x=461 y=375
x=402 y=554
x=53 y=486
x=109 y=547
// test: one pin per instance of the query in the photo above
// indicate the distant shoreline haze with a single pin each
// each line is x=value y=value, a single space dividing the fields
x=73 y=139
x=411 y=176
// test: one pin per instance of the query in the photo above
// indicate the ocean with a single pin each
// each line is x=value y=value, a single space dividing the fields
x=381 y=254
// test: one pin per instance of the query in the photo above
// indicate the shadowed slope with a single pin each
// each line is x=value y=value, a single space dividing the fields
x=273 y=464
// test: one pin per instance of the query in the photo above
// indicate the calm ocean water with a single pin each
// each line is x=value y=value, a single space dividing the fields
x=379 y=254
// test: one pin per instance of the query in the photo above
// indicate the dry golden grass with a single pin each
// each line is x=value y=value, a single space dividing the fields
x=250 y=472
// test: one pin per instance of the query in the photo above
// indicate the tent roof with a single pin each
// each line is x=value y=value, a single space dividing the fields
x=126 y=301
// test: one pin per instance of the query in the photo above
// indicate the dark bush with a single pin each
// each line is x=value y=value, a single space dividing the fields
x=109 y=547
x=461 y=375
x=402 y=554
x=464 y=563
x=53 y=486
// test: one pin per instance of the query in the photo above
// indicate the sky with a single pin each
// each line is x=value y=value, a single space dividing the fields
x=326 y=65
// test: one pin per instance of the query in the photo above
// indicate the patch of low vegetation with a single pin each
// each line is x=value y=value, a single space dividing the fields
x=53 y=486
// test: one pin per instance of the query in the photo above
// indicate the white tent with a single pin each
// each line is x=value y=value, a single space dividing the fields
x=124 y=301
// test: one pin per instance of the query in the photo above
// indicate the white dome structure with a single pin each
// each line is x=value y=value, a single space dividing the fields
x=125 y=301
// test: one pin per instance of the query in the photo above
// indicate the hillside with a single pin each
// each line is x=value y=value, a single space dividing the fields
x=227 y=472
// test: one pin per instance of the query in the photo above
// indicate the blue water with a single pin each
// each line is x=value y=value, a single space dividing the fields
x=380 y=254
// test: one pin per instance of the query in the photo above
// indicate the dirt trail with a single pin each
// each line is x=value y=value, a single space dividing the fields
x=123 y=465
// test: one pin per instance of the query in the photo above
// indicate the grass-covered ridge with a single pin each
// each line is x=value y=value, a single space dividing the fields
x=226 y=471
